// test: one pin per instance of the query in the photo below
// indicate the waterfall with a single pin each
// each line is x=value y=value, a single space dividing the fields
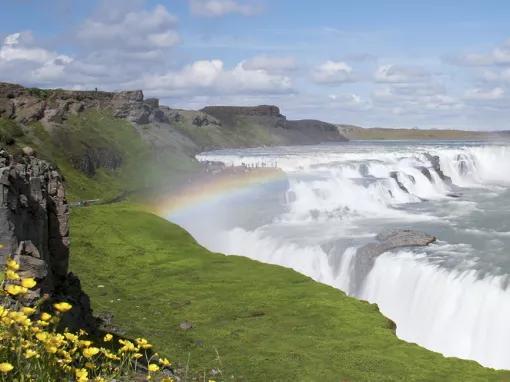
x=450 y=297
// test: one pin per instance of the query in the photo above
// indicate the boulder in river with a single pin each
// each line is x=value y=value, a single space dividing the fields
x=386 y=241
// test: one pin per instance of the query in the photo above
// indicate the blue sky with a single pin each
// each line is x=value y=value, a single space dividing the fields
x=433 y=64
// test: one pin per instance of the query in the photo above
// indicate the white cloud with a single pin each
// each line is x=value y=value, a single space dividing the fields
x=18 y=46
x=352 y=102
x=12 y=39
x=135 y=29
x=478 y=94
x=497 y=76
x=442 y=102
x=332 y=73
x=415 y=99
x=497 y=56
x=400 y=74
x=218 y=8
x=212 y=77
x=271 y=64
x=21 y=60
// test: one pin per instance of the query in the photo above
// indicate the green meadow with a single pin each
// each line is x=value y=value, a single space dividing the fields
x=250 y=321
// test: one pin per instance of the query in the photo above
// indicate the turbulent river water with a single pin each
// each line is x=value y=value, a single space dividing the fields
x=452 y=297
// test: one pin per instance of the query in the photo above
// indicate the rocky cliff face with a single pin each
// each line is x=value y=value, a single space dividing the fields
x=306 y=131
x=34 y=228
x=314 y=130
x=26 y=105
x=166 y=135
x=54 y=107
x=223 y=112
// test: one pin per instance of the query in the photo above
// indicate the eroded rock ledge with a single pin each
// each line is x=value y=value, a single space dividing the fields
x=25 y=105
x=386 y=241
x=34 y=229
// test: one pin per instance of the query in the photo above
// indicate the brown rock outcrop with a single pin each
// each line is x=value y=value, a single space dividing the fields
x=34 y=229
x=305 y=131
x=25 y=105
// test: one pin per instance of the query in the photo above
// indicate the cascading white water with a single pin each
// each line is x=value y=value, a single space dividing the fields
x=451 y=297
x=449 y=311
x=481 y=165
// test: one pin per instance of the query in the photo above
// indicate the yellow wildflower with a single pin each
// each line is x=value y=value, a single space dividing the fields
x=45 y=316
x=30 y=353
x=143 y=343
x=108 y=354
x=164 y=362
x=71 y=337
x=85 y=343
x=127 y=346
x=15 y=289
x=18 y=317
x=82 y=375
x=28 y=283
x=137 y=355
x=5 y=367
x=42 y=336
x=51 y=349
x=153 y=367
x=90 y=365
x=43 y=323
x=62 y=307
x=28 y=310
x=11 y=275
x=108 y=337
x=90 y=352
x=12 y=265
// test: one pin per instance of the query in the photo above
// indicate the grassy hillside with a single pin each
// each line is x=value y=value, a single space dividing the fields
x=243 y=133
x=266 y=323
x=359 y=133
x=99 y=132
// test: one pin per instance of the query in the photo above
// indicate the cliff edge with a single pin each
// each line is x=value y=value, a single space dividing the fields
x=34 y=229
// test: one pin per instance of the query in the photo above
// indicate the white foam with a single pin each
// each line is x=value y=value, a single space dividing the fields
x=452 y=312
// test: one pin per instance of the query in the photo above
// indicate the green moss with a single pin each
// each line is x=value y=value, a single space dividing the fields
x=9 y=132
x=267 y=323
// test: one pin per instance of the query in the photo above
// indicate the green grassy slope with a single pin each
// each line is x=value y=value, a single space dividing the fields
x=266 y=322
x=244 y=132
x=65 y=145
x=359 y=133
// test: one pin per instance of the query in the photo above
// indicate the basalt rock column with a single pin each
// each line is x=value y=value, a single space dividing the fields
x=34 y=229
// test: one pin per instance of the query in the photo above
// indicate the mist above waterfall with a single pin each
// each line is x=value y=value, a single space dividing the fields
x=451 y=297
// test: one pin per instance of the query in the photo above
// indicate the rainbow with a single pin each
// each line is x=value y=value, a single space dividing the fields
x=209 y=189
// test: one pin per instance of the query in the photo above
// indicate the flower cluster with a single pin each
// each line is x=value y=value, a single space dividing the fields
x=32 y=349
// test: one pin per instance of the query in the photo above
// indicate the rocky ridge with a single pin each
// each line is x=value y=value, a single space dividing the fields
x=306 y=131
x=34 y=229
x=55 y=106
x=112 y=136
x=25 y=105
